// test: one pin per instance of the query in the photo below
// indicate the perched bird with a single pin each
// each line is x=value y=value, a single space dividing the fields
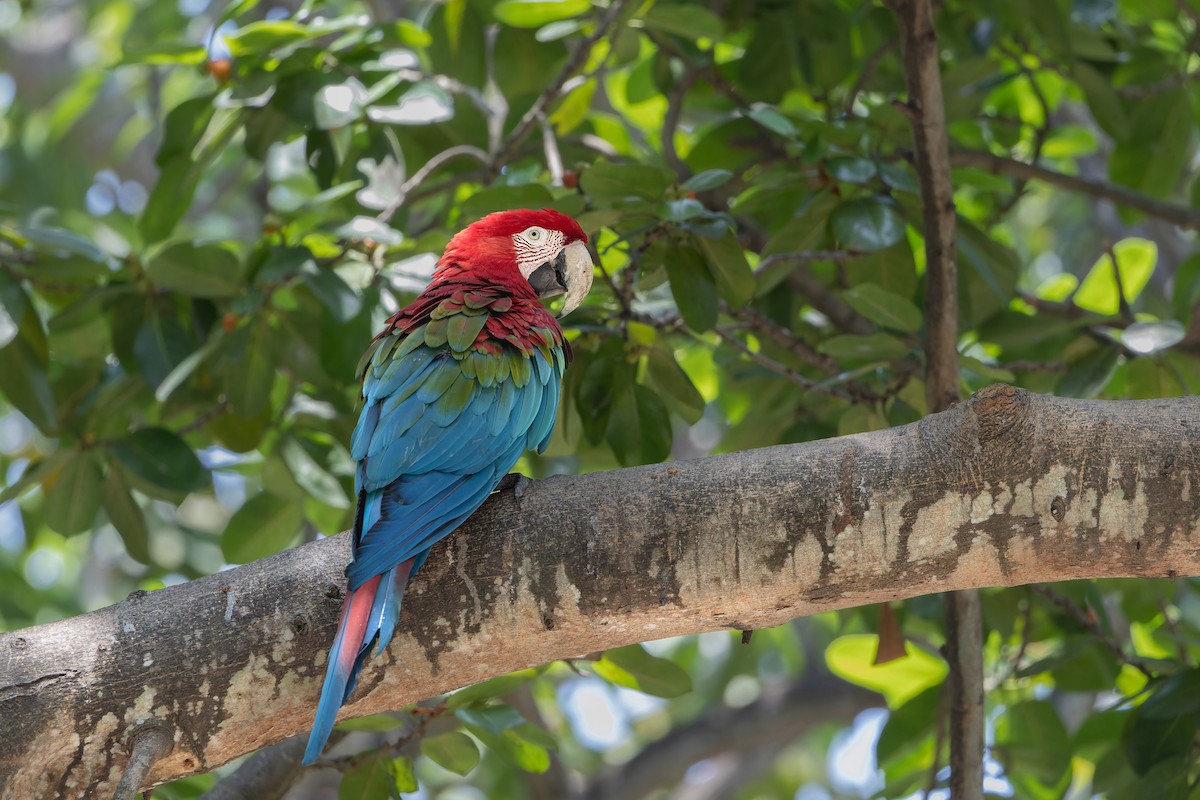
x=455 y=388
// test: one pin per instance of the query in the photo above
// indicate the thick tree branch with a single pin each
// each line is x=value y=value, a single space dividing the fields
x=1009 y=488
x=1183 y=216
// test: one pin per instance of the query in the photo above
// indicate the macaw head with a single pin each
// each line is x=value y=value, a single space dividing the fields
x=543 y=247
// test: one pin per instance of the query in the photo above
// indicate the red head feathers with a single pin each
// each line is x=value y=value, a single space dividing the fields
x=544 y=250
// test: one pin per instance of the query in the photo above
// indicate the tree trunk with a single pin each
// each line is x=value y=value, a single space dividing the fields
x=1008 y=488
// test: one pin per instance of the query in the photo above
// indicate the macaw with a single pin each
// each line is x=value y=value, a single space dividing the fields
x=455 y=388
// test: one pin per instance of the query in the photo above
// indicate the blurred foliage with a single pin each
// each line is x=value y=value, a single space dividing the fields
x=206 y=212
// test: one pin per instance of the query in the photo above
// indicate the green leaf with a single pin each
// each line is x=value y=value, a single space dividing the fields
x=536 y=13
x=240 y=434
x=161 y=460
x=515 y=748
x=165 y=53
x=1150 y=740
x=908 y=726
x=495 y=718
x=727 y=262
x=1166 y=780
x=1185 y=299
x=1103 y=101
x=62 y=241
x=505 y=198
x=893 y=269
x=669 y=378
x=1178 y=694
x=372 y=779
x=773 y=121
x=1135 y=261
x=693 y=287
x=639 y=429
x=338 y=105
x=852 y=658
x=250 y=361
x=74 y=498
x=707 y=180
x=184 y=369
x=1088 y=376
x=311 y=476
x=689 y=21
x=867 y=224
x=850 y=169
x=454 y=751
x=25 y=384
x=403 y=779
x=1146 y=338
x=884 y=308
x=126 y=516
x=196 y=270
x=1031 y=737
x=634 y=668
x=874 y=347
x=181 y=174
x=161 y=346
x=607 y=183
x=494 y=687
x=265 y=524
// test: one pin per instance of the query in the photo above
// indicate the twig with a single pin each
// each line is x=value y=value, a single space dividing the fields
x=779 y=369
x=864 y=75
x=1183 y=216
x=149 y=745
x=1123 y=302
x=554 y=163
x=267 y=775
x=552 y=92
x=670 y=124
x=1089 y=622
x=806 y=284
x=425 y=171
x=785 y=339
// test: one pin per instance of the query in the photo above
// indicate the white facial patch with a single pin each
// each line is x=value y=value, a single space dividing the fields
x=535 y=246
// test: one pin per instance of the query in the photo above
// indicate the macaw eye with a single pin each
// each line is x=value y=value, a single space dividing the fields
x=534 y=235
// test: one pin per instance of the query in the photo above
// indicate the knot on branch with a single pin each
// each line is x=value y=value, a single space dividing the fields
x=998 y=410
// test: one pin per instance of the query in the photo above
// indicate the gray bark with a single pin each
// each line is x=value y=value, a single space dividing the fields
x=1008 y=488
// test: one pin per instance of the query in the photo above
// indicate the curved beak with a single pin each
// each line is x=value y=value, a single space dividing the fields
x=570 y=273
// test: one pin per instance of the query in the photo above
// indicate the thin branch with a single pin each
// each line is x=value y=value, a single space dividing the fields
x=426 y=170
x=779 y=369
x=554 y=162
x=555 y=90
x=149 y=745
x=865 y=74
x=266 y=775
x=819 y=296
x=670 y=124
x=1089 y=622
x=1183 y=216
x=783 y=713
x=1122 y=300
x=964 y=630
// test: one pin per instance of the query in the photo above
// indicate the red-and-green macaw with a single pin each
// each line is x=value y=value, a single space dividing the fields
x=455 y=388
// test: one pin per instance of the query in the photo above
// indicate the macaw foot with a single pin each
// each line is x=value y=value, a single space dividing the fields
x=514 y=482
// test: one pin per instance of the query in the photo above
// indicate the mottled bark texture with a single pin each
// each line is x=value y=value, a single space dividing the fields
x=1007 y=488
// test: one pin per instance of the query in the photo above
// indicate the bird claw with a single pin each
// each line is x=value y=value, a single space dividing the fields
x=514 y=482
